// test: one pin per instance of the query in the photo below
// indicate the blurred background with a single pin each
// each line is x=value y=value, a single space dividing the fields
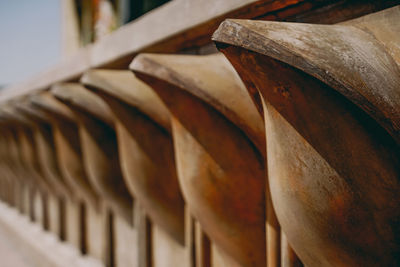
x=37 y=34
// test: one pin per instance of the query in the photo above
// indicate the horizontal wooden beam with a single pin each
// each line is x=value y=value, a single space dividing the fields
x=183 y=25
x=175 y=26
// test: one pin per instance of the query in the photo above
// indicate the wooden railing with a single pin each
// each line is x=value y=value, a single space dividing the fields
x=281 y=150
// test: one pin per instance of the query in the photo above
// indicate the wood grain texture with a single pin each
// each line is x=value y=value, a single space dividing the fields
x=45 y=147
x=149 y=33
x=84 y=211
x=99 y=145
x=145 y=146
x=219 y=168
x=213 y=85
x=190 y=30
x=68 y=149
x=331 y=102
x=331 y=53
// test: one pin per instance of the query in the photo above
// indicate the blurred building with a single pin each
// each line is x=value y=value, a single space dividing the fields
x=85 y=21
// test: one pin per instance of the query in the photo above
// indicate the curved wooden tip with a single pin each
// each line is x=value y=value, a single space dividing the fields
x=78 y=96
x=142 y=122
x=214 y=157
x=24 y=106
x=280 y=59
x=350 y=60
x=4 y=114
x=99 y=148
x=46 y=102
x=10 y=112
x=212 y=79
x=35 y=113
x=44 y=146
x=124 y=86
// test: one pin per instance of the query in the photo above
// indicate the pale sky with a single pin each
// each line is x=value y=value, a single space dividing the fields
x=30 y=38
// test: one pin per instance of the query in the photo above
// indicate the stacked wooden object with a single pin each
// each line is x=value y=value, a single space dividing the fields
x=280 y=149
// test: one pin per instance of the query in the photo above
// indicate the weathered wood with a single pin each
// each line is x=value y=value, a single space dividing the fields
x=28 y=151
x=10 y=156
x=331 y=102
x=118 y=49
x=191 y=29
x=329 y=95
x=67 y=143
x=26 y=146
x=95 y=232
x=329 y=53
x=85 y=105
x=10 y=173
x=125 y=87
x=45 y=148
x=13 y=161
x=99 y=145
x=60 y=191
x=220 y=170
x=145 y=145
x=77 y=98
x=79 y=224
x=210 y=84
x=69 y=158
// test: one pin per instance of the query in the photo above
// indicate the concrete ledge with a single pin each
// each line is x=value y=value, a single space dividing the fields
x=42 y=249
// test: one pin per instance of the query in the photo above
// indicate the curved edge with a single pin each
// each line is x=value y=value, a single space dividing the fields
x=76 y=95
x=177 y=70
x=344 y=57
x=124 y=86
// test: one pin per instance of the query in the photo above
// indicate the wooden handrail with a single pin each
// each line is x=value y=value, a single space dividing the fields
x=148 y=33
x=331 y=105
x=281 y=150
x=191 y=27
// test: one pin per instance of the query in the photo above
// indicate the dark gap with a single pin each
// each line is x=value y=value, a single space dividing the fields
x=11 y=190
x=45 y=211
x=21 y=198
x=149 y=242
x=206 y=249
x=62 y=219
x=31 y=196
x=110 y=239
x=83 y=228
x=193 y=241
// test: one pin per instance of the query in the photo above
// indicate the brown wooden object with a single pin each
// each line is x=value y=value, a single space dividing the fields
x=219 y=148
x=66 y=138
x=99 y=145
x=145 y=146
x=45 y=147
x=331 y=99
